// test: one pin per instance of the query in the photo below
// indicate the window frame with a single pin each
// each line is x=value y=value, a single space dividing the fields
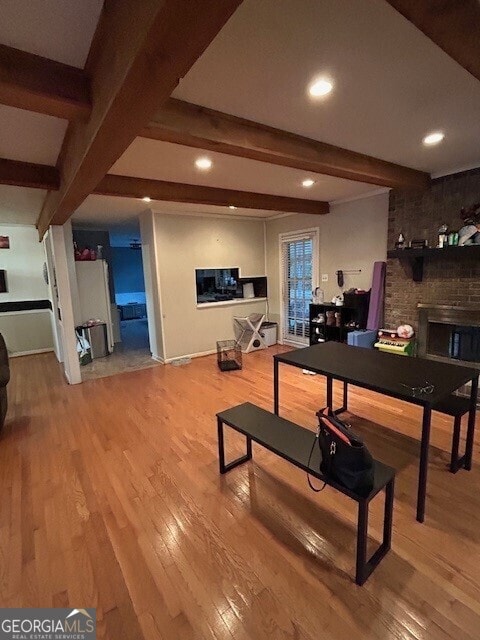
x=312 y=233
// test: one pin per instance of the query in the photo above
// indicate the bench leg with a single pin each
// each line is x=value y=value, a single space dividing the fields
x=221 y=451
x=365 y=567
x=471 y=425
x=456 y=462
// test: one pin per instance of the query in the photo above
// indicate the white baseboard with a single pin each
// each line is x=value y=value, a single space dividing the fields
x=292 y=343
x=200 y=354
x=158 y=359
x=18 y=354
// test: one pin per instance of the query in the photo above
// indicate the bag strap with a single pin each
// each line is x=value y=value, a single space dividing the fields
x=337 y=427
x=316 y=489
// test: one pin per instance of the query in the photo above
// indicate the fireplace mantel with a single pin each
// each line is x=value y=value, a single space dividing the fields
x=413 y=259
x=448 y=314
x=422 y=305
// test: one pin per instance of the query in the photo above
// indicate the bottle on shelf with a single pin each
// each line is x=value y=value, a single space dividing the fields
x=400 y=243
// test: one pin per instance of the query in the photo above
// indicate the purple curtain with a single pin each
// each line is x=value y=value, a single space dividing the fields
x=375 y=310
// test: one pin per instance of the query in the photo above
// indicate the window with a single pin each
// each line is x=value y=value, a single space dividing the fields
x=299 y=272
x=217 y=285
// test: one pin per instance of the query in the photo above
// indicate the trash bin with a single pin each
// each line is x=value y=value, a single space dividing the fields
x=268 y=332
x=96 y=336
x=83 y=347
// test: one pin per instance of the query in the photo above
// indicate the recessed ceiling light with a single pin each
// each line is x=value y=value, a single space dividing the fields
x=146 y=199
x=320 y=87
x=203 y=163
x=308 y=182
x=231 y=206
x=433 y=138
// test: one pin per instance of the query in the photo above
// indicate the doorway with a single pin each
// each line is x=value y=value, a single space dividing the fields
x=130 y=297
x=119 y=251
x=298 y=277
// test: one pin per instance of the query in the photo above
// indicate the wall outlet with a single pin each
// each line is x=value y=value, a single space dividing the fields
x=324 y=277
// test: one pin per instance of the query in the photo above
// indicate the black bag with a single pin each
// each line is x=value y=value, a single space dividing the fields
x=345 y=458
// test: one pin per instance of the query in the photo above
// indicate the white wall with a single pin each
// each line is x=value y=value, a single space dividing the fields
x=53 y=295
x=72 y=273
x=68 y=299
x=25 y=331
x=352 y=236
x=152 y=285
x=24 y=264
x=184 y=243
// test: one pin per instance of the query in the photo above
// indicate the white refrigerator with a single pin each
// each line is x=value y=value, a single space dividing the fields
x=94 y=294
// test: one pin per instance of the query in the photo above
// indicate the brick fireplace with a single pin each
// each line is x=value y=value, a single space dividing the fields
x=451 y=281
x=448 y=333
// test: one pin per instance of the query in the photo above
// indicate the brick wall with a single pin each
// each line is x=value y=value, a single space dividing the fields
x=445 y=280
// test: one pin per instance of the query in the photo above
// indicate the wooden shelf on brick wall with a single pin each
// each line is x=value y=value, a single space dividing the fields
x=413 y=259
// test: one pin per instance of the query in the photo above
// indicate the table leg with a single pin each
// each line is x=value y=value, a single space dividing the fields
x=345 y=396
x=330 y=393
x=221 y=446
x=471 y=424
x=275 y=386
x=422 y=475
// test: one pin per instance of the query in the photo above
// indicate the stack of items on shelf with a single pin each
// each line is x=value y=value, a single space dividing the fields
x=399 y=341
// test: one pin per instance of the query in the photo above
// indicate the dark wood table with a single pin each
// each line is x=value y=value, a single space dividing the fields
x=387 y=374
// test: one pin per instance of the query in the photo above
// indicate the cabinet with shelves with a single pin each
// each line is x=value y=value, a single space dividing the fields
x=332 y=322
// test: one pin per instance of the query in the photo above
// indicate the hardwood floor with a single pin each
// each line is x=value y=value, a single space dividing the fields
x=111 y=498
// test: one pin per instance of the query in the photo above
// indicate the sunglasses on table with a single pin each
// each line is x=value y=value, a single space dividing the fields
x=427 y=388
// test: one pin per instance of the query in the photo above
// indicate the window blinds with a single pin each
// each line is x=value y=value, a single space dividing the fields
x=297 y=265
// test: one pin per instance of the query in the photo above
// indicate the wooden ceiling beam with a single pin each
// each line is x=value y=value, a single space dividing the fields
x=39 y=176
x=128 y=187
x=195 y=126
x=140 y=52
x=26 y=174
x=454 y=26
x=45 y=86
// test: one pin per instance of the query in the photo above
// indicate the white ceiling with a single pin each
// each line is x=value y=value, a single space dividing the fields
x=19 y=205
x=392 y=85
x=164 y=161
x=61 y=30
x=108 y=210
x=30 y=137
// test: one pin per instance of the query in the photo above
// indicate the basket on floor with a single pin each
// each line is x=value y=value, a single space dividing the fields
x=229 y=355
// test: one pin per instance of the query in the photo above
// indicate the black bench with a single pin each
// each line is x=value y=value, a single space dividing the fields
x=293 y=443
x=457 y=407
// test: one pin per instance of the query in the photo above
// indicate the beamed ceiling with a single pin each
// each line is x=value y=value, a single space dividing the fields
x=79 y=93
